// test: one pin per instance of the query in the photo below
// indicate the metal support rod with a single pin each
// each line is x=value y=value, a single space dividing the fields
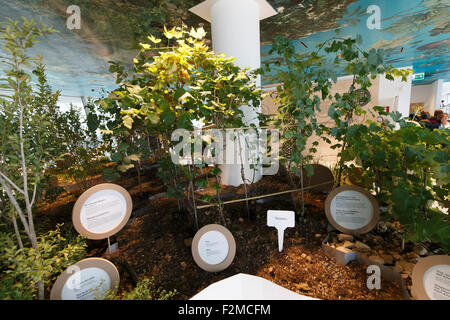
x=264 y=196
x=109 y=247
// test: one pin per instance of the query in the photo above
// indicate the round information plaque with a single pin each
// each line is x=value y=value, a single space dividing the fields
x=102 y=211
x=431 y=278
x=89 y=279
x=352 y=210
x=213 y=248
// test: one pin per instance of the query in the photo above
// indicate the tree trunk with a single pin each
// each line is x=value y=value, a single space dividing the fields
x=137 y=166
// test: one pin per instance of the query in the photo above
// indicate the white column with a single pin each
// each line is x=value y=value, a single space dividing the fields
x=395 y=93
x=236 y=32
x=438 y=93
x=85 y=103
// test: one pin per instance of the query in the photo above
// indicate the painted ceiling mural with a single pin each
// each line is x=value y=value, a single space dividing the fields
x=413 y=33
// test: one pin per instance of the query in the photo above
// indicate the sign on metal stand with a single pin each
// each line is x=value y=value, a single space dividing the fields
x=99 y=213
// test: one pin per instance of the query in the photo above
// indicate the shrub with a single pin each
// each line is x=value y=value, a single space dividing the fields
x=27 y=144
x=82 y=153
x=21 y=271
x=146 y=290
x=408 y=169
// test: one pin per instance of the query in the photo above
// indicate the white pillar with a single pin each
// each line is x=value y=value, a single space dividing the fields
x=438 y=84
x=395 y=93
x=236 y=32
x=85 y=103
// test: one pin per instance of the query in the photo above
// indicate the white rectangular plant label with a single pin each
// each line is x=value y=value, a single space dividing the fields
x=281 y=220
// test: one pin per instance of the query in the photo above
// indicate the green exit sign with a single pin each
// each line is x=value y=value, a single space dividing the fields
x=419 y=76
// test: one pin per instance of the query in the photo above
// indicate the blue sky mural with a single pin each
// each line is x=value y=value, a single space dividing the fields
x=413 y=33
x=72 y=64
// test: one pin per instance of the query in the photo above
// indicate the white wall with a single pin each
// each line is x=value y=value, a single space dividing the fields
x=64 y=102
x=422 y=94
x=390 y=90
x=430 y=95
x=446 y=93
x=438 y=93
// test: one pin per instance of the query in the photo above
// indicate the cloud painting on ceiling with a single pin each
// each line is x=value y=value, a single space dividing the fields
x=77 y=60
x=413 y=33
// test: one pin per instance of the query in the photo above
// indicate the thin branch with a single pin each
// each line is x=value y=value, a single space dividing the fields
x=11 y=183
x=34 y=193
x=16 y=230
x=16 y=205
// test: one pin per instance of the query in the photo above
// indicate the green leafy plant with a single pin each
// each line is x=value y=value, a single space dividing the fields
x=408 y=169
x=23 y=269
x=147 y=290
x=78 y=153
x=26 y=146
x=176 y=83
x=305 y=82
x=82 y=152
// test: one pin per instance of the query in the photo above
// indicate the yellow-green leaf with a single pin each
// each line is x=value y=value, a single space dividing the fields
x=154 y=40
x=128 y=121
x=145 y=46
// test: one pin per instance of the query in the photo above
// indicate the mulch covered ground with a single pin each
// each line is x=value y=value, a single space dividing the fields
x=159 y=244
x=156 y=243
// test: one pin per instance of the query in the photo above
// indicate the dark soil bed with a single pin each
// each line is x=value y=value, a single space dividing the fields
x=156 y=243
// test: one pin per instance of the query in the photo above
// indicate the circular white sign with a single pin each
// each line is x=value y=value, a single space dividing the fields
x=88 y=279
x=87 y=284
x=103 y=211
x=436 y=281
x=213 y=247
x=351 y=209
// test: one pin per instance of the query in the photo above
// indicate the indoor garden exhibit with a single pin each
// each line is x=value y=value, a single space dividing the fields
x=224 y=150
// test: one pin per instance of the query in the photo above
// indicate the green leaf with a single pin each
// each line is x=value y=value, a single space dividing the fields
x=289 y=134
x=207 y=198
x=202 y=183
x=441 y=156
x=309 y=170
x=380 y=156
x=168 y=117
x=179 y=93
x=92 y=122
x=110 y=174
x=153 y=117
x=116 y=157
